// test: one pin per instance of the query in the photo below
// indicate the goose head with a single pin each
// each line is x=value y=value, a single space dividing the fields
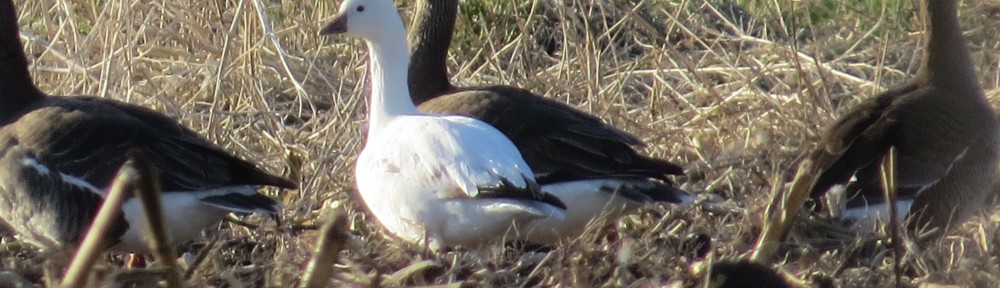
x=378 y=23
x=366 y=19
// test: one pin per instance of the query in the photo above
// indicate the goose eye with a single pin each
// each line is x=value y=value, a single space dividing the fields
x=361 y=8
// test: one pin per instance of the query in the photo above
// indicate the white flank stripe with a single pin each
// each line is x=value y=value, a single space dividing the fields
x=68 y=179
x=82 y=183
x=34 y=164
x=870 y=215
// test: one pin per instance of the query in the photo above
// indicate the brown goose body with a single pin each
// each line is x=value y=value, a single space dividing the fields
x=571 y=152
x=58 y=156
x=944 y=131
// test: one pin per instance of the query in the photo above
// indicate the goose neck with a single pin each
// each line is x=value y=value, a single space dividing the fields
x=389 y=95
x=946 y=57
x=16 y=87
x=430 y=37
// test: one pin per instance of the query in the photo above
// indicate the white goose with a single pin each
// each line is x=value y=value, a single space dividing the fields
x=443 y=181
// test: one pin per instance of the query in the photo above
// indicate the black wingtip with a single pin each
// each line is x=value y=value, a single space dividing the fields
x=662 y=167
x=282 y=182
x=545 y=197
x=671 y=194
x=532 y=192
x=553 y=200
x=237 y=202
x=649 y=190
x=246 y=173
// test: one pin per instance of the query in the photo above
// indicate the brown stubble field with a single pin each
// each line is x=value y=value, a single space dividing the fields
x=738 y=103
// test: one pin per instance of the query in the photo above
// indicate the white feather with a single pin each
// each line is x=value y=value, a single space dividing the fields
x=419 y=174
x=446 y=152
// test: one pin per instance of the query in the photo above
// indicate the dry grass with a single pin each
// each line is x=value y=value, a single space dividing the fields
x=737 y=102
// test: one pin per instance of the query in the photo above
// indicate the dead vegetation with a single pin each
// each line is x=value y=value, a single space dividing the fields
x=737 y=92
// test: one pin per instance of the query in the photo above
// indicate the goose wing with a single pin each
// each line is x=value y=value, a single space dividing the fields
x=454 y=156
x=857 y=143
x=85 y=140
x=559 y=142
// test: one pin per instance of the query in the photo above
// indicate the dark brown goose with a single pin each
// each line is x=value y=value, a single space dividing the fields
x=58 y=155
x=944 y=131
x=591 y=166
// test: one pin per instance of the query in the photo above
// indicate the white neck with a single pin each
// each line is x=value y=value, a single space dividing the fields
x=390 y=98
